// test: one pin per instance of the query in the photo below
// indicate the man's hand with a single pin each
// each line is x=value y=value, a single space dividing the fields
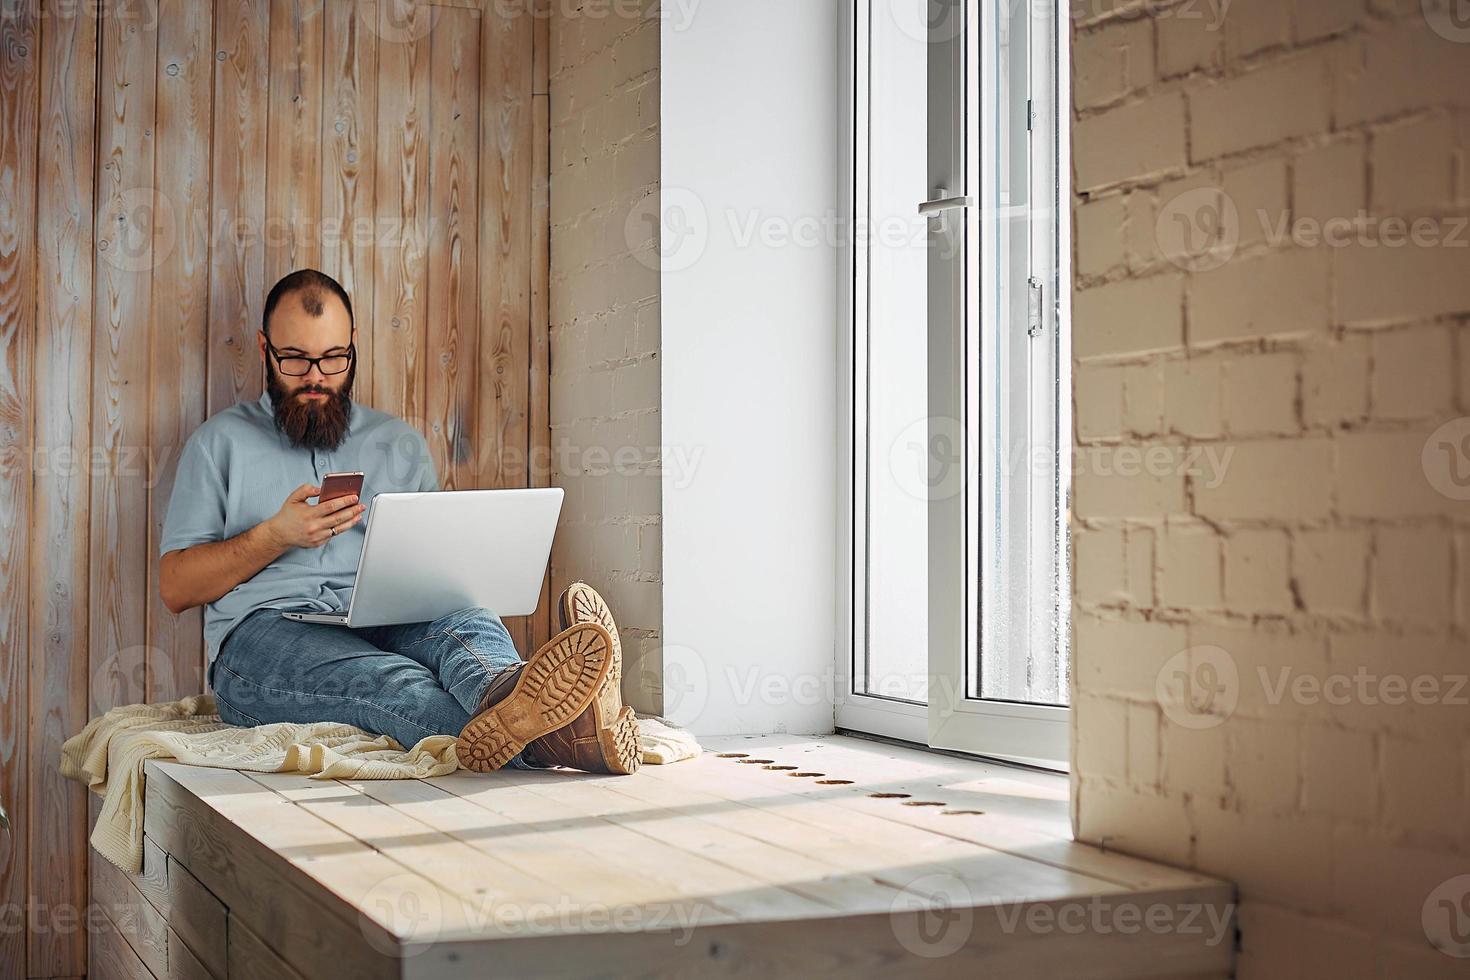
x=299 y=524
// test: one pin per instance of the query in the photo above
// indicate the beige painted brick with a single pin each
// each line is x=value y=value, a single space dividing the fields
x=1098 y=571
x=1423 y=786
x=1330 y=568
x=1258 y=571
x=1122 y=657
x=636 y=52
x=1192 y=763
x=1339 y=772
x=1413 y=373
x=1143 y=398
x=1101 y=227
x=1280 y=942
x=1130 y=142
x=1462 y=581
x=1260 y=108
x=1189 y=567
x=1186 y=217
x=1104 y=753
x=1193 y=397
x=1189 y=39
x=1330 y=183
x=1463 y=141
x=1462 y=342
x=1255 y=25
x=1279 y=294
x=1304 y=831
x=1138 y=556
x=1378 y=285
x=1392 y=72
x=1098 y=408
x=1143 y=745
x=1261 y=394
x=1381 y=886
x=1112 y=61
x=1138 y=232
x=1283 y=480
x=1140 y=822
x=1400 y=682
x=1128 y=482
x=1258 y=191
x=1414 y=165
x=1270 y=657
x=1380 y=475
x=1316 y=19
x=1411 y=576
x=1262 y=764
x=1249 y=848
x=1134 y=316
x=1335 y=382
x=1414 y=958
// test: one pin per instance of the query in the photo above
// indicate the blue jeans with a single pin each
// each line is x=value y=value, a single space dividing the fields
x=407 y=681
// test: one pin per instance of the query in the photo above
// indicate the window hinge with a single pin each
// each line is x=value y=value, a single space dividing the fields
x=1033 y=307
x=1030 y=115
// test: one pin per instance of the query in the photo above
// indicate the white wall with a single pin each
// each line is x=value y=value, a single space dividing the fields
x=749 y=126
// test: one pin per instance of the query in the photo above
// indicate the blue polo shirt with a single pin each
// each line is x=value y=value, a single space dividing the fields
x=237 y=469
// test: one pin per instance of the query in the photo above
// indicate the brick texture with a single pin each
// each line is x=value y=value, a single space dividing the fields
x=605 y=383
x=1295 y=368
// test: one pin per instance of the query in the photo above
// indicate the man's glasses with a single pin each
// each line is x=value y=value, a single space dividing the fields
x=295 y=365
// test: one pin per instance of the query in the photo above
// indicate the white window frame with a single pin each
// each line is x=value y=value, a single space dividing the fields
x=955 y=717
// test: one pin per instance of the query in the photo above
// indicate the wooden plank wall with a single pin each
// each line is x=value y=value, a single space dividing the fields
x=162 y=162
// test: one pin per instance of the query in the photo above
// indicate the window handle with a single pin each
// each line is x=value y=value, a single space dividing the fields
x=942 y=204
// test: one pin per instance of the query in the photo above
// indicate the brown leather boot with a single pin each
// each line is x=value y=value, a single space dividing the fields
x=604 y=737
x=550 y=690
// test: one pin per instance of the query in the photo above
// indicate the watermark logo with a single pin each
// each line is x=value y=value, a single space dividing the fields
x=933 y=916
x=1446 y=917
x=1446 y=459
x=1119 y=916
x=1450 y=19
x=399 y=21
x=928 y=21
x=137 y=230
x=925 y=458
x=1198 y=230
x=409 y=907
x=685 y=684
x=668 y=229
x=121 y=677
x=1198 y=687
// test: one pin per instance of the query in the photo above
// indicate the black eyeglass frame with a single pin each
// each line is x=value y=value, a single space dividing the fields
x=316 y=362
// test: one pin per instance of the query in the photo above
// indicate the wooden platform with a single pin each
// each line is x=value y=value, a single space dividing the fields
x=766 y=857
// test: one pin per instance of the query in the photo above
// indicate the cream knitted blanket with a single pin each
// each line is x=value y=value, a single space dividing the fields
x=108 y=756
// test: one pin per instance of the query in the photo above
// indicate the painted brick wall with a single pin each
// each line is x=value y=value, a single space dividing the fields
x=605 y=317
x=1271 y=526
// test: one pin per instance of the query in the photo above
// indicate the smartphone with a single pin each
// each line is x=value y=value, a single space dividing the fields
x=336 y=485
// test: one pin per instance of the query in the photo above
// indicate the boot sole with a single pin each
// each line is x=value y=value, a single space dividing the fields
x=557 y=684
x=619 y=743
x=618 y=740
x=580 y=604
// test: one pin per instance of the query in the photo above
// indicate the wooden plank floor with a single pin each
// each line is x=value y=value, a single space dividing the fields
x=768 y=855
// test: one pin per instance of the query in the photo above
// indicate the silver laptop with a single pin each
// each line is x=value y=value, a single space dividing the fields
x=427 y=554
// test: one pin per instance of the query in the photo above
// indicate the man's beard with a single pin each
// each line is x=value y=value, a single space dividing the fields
x=312 y=423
